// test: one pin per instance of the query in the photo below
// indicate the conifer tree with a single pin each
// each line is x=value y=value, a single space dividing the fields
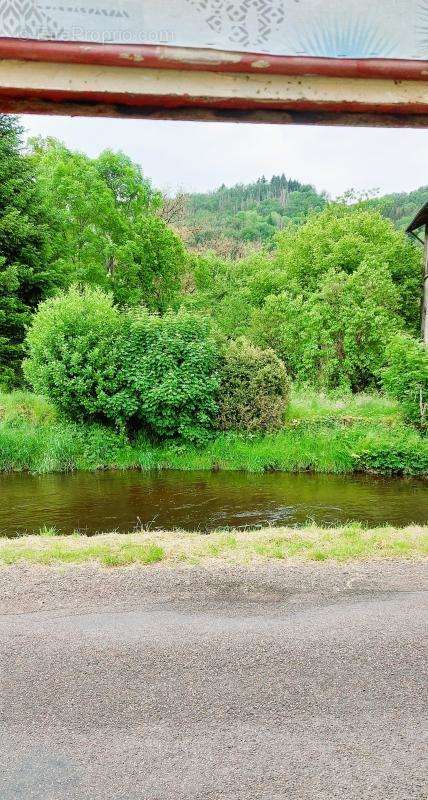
x=25 y=277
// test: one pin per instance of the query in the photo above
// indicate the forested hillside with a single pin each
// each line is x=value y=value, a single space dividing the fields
x=251 y=212
x=401 y=207
x=254 y=212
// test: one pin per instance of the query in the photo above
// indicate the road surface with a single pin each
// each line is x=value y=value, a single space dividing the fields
x=269 y=683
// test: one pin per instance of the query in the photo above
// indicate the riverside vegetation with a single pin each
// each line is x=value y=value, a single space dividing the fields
x=363 y=433
x=122 y=348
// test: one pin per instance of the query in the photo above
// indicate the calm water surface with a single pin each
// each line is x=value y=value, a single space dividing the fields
x=107 y=501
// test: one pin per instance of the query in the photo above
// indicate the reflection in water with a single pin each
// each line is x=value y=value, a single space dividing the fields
x=108 y=501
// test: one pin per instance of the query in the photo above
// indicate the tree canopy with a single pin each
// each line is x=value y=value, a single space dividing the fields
x=327 y=300
x=343 y=237
x=107 y=231
x=27 y=274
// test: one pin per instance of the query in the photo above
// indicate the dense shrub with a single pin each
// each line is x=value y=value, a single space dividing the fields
x=98 y=364
x=72 y=359
x=169 y=366
x=406 y=377
x=254 y=388
x=397 y=451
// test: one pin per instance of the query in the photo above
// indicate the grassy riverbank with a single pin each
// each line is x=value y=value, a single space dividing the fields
x=351 y=542
x=321 y=433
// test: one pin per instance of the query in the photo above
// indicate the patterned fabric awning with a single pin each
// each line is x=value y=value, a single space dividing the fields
x=395 y=29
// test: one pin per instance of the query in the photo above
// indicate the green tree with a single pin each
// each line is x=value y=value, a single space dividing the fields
x=400 y=207
x=26 y=275
x=147 y=267
x=230 y=290
x=337 y=335
x=280 y=324
x=107 y=231
x=342 y=238
x=250 y=213
x=273 y=204
x=347 y=326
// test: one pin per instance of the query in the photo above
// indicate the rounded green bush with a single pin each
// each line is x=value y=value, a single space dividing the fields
x=72 y=348
x=135 y=371
x=254 y=388
x=169 y=365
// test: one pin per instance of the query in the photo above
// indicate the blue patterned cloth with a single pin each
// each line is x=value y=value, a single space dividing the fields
x=324 y=28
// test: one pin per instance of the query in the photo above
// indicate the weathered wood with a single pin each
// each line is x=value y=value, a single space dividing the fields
x=31 y=105
x=126 y=91
x=206 y=60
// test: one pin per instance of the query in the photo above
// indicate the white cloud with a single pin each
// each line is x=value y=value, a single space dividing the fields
x=201 y=156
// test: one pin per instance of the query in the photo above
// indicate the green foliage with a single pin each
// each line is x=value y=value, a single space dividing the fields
x=393 y=452
x=25 y=273
x=169 y=365
x=255 y=212
x=309 y=406
x=148 y=266
x=320 y=446
x=322 y=432
x=20 y=406
x=253 y=390
x=133 y=371
x=66 y=219
x=401 y=207
x=281 y=324
x=105 y=227
x=250 y=213
x=346 y=327
x=406 y=377
x=335 y=288
x=229 y=291
x=341 y=239
x=337 y=335
x=339 y=287
x=73 y=354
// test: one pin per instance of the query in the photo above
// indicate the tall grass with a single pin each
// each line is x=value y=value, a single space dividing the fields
x=308 y=404
x=26 y=407
x=330 y=436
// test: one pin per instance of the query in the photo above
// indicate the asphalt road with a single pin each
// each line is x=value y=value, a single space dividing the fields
x=302 y=683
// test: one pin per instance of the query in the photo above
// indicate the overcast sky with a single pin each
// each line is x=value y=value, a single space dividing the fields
x=201 y=156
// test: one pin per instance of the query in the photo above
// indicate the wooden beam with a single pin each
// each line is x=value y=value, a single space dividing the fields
x=195 y=94
x=209 y=60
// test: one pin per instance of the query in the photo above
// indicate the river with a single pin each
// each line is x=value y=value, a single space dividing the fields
x=106 y=501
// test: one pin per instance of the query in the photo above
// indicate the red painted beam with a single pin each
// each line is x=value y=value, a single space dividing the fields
x=168 y=57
